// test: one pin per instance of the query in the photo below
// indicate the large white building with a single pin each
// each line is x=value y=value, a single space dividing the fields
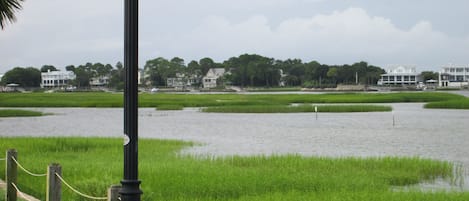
x=400 y=75
x=53 y=79
x=454 y=76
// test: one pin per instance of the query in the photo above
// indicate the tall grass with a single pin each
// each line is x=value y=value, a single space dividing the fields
x=451 y=104
x=207 y=100
x=19 y=113
x=296 y=109
x=93 y=164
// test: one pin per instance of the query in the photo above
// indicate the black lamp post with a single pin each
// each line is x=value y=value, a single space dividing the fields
x=130 y=184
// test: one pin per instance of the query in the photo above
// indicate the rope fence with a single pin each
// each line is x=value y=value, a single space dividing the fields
x=20 y=193
x=54 y=181
x=27 y=171
x=78 y=192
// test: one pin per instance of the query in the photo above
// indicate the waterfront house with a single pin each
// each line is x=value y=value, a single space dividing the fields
x=52 y=79
x=400 y=75
x=210 y=79
x=454 y=76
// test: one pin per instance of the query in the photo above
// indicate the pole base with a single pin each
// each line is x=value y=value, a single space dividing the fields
x=130 y=190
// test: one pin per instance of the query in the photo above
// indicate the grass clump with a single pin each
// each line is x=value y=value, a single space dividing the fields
x=451 y=104
x=93 y=164
x=297 y=109
x=19 y=113
x=354 y=108
x=170 y=107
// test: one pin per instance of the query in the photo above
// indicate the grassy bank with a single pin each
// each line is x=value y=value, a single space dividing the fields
x=451 y=104
x=19 y=113
x=93 y=164
x=296 y=109
x=207 y=100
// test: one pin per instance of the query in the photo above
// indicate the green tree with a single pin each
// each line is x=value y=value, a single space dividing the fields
x=117 y=77
x=70 y=68
x=253 y=70
x=158 y=70
x=332 y=73
x=25 y=77
x=205 y=65
x=47 y=68
x=7 y=11
x=429 y=75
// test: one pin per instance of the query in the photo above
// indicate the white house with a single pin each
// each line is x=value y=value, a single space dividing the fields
x=57 y=78
x=454 y=76
x=182 y=80
x=99 y=81
x=210 y=79
x=400 y=75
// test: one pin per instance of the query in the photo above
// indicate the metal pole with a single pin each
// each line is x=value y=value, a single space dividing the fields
x=130 y=184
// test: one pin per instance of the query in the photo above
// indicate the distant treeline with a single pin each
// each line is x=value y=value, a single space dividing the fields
x=247 y=70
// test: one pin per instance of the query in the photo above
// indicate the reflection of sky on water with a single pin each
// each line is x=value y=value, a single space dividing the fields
x=439 y=134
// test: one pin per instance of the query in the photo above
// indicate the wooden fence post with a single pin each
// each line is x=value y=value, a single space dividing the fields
x=11 y=175
x=113 y=193
x=54 y=185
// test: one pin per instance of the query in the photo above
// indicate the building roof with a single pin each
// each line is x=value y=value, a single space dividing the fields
x=401 y=69
x=215 y=72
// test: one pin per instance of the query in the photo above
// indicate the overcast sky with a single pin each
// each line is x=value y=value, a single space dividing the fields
x=425 y=33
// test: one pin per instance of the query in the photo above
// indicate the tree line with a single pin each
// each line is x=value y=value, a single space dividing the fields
x=246 y=70
x=252 y=70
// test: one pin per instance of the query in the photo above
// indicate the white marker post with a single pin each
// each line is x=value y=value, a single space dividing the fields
x=316 y=111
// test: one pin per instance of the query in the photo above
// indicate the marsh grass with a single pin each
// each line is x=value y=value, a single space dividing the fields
x=19 y=113
x=93 y=164
x=450 y=104
x=274 y=89
x=297 y=109
x=207 y=100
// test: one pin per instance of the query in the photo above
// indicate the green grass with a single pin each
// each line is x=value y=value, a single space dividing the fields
x=296 y=109
x=19 y=113
x=170 y=107
x=207 y=100
x=93 y=164
x=451 y=104
x=274 y=89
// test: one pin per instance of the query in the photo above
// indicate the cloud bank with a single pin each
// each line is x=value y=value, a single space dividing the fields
x=87 y=33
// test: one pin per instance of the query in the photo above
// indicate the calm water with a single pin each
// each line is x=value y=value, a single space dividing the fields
x=438 y=134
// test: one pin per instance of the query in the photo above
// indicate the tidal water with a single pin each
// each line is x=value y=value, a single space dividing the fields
x=429 y=133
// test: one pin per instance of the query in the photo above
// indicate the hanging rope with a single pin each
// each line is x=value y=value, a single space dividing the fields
x=24 y=169
x=19 y=192
x=78 y=192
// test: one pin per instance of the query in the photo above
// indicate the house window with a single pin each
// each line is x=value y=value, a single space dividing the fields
x=385 y=78
x=460 y=78
x=412 y=78
x=391 y=78
x=406 y=78
x=459 y=70
x=399 y=78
